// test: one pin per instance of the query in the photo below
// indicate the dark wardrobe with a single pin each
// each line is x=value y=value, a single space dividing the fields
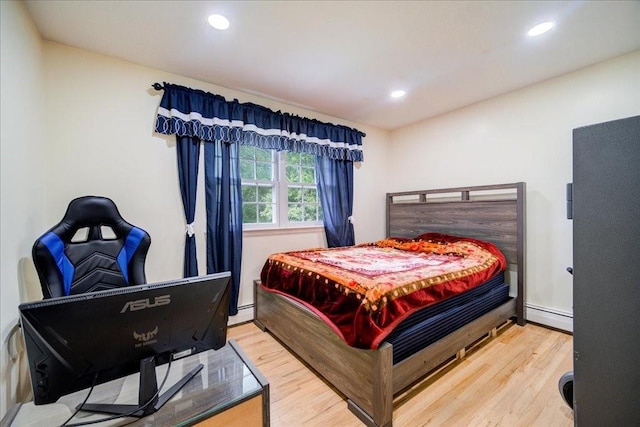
x=606 y=273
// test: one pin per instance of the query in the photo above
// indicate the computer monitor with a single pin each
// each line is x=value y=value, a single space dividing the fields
x=78 y=341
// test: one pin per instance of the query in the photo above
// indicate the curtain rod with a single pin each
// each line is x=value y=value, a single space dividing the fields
x=157 y=86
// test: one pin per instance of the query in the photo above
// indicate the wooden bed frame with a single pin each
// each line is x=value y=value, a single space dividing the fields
x=368 y=378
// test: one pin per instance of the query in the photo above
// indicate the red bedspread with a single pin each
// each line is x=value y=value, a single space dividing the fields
x=364 y=291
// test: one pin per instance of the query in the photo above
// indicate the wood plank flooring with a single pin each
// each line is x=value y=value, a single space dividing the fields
x=510 y=380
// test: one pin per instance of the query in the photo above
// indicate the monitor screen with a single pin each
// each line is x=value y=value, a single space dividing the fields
x=78 y=341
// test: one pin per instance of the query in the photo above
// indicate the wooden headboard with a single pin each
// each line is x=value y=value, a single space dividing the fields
x=495 y=213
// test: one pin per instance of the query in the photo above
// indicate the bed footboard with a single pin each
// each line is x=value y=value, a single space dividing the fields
x=367 y=378
x=363 y=376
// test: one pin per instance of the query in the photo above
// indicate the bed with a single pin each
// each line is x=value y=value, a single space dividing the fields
x=371 y=373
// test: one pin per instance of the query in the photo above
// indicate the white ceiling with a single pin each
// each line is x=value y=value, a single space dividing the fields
x=342 y=58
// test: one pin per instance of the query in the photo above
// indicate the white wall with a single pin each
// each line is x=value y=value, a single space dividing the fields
x=22 y=178
x=523 y=136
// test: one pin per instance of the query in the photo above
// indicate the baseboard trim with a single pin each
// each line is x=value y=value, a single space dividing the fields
x=245 y=314
x=545 y=316
x=553 y=318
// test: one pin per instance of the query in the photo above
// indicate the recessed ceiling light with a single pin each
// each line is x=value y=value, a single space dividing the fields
x=218 y=22
x=540 y=29
x=398 y=93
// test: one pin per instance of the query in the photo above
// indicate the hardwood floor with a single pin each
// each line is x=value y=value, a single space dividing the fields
x=509 y=380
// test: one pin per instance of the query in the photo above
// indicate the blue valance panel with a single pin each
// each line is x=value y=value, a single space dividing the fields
x=192 y=112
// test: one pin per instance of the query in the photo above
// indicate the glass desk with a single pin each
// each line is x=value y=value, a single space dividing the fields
x=229 y=390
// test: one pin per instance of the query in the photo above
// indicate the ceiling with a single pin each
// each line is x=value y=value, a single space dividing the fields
x=343 y=58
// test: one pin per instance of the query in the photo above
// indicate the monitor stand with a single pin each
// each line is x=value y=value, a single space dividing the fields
x=148 y=399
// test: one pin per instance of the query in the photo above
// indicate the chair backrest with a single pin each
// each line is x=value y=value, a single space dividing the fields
x=91 y=249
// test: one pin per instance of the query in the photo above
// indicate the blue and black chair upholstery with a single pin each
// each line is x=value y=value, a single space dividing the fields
x=91 y=249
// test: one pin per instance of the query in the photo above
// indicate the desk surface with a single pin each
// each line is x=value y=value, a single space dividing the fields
x=226 y=379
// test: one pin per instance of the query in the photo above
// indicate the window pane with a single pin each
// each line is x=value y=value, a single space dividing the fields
x=295 y=212
x=249 y=213
x=264 y=171
x=308 y=176
x=293 y=158
x=265 y=194
x=263 y=155
x=309 y=195
x=311 y=212
x=295 y=195
x=293 y=173
x=307 y=160
x=246 y=152
x=246 y=169
x=265 y=214
x=249 y=193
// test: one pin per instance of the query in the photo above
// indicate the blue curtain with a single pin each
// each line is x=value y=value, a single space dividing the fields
x=188 y=149
x=335 y=189
x=224 y=213
x=185 y=111
x=224 y=125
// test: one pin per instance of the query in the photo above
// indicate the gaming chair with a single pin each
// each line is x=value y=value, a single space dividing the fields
x=91 y=249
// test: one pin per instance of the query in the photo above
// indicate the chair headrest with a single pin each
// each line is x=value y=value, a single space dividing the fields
x=91 y=212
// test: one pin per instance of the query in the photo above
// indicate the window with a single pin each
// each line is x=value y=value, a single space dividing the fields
x=303 y=204
x=258 y=170
x=278 y=188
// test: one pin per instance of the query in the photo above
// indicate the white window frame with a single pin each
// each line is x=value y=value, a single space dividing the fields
x=281 y=208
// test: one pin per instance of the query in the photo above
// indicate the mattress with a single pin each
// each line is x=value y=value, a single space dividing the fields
x=364 y=292
x=428 y=325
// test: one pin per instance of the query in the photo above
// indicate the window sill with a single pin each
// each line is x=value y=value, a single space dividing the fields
x=282 y=230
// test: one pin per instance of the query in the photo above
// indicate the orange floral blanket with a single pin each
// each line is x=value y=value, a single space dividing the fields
x=364 y=291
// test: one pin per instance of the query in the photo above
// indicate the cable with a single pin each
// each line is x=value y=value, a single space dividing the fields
x=93 y=384
x=113 y=417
